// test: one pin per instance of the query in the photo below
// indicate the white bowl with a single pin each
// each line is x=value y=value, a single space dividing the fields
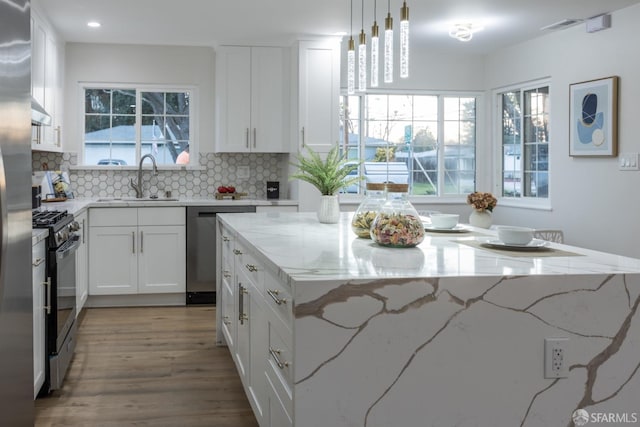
x=444 y=221
x=514 y=235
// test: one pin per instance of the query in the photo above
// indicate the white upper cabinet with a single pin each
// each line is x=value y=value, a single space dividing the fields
x=318 y=94
x=251 y=99
x=47 y=59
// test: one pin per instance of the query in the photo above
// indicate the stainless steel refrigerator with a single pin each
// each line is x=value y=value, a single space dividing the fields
x=16 y=329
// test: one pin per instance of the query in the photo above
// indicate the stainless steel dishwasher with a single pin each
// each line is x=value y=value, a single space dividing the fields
x=201 y=251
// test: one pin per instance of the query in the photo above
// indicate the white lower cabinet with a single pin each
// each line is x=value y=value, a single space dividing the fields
x=82 y=263
x=39 y=284
x=256 y=316
x=137 y=251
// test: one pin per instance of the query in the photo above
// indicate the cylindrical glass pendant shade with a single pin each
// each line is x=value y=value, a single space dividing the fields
x=388 y=49
x=351 y=68
x=362 y=62
x=375 y=60
x=404 y=41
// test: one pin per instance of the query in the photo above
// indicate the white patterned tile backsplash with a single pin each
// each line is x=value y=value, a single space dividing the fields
x=220 y=169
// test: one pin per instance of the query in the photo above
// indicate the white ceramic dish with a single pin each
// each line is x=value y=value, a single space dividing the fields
x=456 y=229
x=442 y=221
x=514 y=235
x=533 y=245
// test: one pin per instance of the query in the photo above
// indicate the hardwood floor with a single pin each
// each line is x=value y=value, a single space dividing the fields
x=150 y=366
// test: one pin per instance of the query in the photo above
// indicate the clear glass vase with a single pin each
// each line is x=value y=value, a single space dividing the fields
x=398 y=224
x=368 y=209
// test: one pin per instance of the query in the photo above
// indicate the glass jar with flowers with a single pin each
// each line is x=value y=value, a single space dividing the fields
x=483 y=204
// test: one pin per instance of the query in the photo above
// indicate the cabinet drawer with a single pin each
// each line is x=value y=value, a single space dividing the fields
x=161 y=216
x=38 y=254
x=280 y=402
x=245 y=261
x=278 y=298
x=113 y=217
x=279 y=353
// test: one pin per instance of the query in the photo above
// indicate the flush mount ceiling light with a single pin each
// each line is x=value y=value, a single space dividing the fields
x=464 y=31
x=93 y=24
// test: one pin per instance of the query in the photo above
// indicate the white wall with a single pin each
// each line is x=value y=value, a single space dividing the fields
x=595 y=204
x=107 y=63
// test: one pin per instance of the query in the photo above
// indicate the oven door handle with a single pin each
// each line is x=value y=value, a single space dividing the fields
x=68 y=248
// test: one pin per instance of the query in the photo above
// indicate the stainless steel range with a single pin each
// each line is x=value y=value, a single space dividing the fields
x=60 y=325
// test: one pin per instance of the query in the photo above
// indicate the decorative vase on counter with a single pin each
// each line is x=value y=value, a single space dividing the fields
x=368 y=209
x=329 y=211
x=398 y=224
x=480 y=218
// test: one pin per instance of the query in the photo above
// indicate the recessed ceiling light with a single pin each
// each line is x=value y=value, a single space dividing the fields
x=93 y=24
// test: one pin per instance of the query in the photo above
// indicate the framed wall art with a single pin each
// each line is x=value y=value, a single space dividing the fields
x=593 y=117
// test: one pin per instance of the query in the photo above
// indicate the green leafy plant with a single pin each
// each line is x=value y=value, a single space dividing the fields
x=328 y=175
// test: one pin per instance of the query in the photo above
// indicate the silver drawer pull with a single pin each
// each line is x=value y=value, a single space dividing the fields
x=251 y=267
x=226 y=320
x=226 y=273
x=237 y=252
x=225 y=239
x=274 y=295
x=38 y=261
x=276 y=356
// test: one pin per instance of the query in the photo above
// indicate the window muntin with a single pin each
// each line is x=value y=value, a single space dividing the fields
x=407 y=129
x=111 y=132
x=525 y=143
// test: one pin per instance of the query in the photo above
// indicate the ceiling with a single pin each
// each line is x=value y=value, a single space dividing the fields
x=265 y=22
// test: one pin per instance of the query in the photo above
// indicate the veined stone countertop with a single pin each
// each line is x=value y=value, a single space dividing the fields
x=444 y=334
x=304 y=249
x=76 y=206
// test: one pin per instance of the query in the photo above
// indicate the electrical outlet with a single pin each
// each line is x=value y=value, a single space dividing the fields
x=555 y=357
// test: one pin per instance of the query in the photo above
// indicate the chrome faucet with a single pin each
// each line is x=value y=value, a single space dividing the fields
x=138 y=184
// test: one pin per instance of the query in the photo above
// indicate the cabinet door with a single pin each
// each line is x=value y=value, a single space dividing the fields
x=268 y=100
x=113 y=257
x=276 y=415
x=228 y=315
x=233 y=99
x=50 y=133
x=38 y=42
x=39 y=289
x=82 y=264
x=243 y=345
x=259 y=351
x=161 y=259
x=319 y=90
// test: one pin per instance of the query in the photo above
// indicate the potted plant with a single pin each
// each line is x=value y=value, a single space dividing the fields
x=328 y=176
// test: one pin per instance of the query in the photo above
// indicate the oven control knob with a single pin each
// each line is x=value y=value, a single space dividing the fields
x=60 y=237
x=74 y=226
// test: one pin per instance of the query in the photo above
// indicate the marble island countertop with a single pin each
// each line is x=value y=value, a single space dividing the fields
x=304 y=250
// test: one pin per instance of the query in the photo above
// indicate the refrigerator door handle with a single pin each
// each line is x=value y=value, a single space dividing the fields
x=3 y=221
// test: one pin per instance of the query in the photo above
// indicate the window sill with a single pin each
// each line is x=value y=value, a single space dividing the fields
x=533 y=204
x=135 y=168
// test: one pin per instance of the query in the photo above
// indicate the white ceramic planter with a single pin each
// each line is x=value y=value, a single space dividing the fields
x=329 y=211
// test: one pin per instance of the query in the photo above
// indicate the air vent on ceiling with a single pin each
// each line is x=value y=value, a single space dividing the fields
x=560 y=25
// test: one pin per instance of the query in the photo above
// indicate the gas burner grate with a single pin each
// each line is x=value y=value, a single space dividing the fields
x=47 y=218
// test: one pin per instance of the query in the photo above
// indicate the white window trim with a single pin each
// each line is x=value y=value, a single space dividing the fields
x=480 y=133
x=194 y=149
x=534 y=203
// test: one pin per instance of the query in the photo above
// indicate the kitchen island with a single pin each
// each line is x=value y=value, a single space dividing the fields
x=331 y=330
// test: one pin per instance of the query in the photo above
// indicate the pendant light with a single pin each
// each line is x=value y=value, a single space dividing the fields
x=375 y=48
x=351 y=60
x=362 y=57
x=404 y=40
x=388 y=46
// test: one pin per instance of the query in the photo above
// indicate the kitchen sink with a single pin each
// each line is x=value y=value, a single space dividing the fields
x=135 y=199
